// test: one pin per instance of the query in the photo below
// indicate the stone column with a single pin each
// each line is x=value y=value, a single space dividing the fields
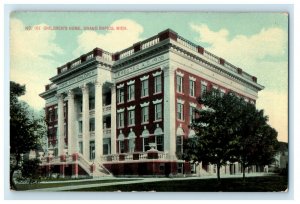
x=169 y=116
x=60 y=112
x=98 y=121
x=72 y=138
x=85 y=122
x=113 y=134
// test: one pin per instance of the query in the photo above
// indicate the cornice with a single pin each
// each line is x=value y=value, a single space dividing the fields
x=216 y=68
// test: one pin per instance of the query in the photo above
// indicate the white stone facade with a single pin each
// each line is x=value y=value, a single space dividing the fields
x=85 y=95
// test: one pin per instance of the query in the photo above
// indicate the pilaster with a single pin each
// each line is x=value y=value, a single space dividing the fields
x=72 y=138
x=113 y=120
x=85 y=121
x=169 y=111
x=98 y=120
x=60 y=112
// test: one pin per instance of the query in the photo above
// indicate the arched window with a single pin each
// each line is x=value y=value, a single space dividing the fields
x=121 y=142
x=159 y=138
x=145 y=135
x=131 y=138
x=179 y=140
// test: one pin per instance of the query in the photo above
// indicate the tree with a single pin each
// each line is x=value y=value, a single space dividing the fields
x=257 y=140
x=216 y=135
x=25 y=131
x=230 y=129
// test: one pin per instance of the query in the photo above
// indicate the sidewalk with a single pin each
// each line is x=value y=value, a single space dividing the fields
x=143 y=180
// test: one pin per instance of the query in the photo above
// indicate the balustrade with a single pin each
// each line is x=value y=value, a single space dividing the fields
x=132 y=156
x=149 y=42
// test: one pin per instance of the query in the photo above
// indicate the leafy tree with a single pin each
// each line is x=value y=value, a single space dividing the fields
x=25 y=131
x=230 y=129
x=257 y=140
x=268 y=145
x=216 y=135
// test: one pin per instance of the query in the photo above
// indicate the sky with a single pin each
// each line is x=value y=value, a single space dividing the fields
x=256 y=42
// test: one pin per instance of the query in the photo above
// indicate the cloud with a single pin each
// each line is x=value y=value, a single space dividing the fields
x=241 y=49
x=111 y=41
x=32 y=59
x=263 y=54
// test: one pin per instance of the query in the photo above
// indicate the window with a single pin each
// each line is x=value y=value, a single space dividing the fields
x=120 y=95
x=146 y=144
x=106 y=146
x=55 y=114
x=80 y=126
x=130 y=94
x=215 y=91
x=55 y=133
x=158 y=111
x=203 y=89
x=121 y=146
x=157 y=84
x=179 y=168
x=131 y=145
x=192 y=88
x=105 y=149
x=131 y=117
x=179 y=111
x=65 y=111
x=92 y=150
x=92 y=124
x=80 y=107
x=160 y=142
x=120 y=119
x=145 y=114
x=65 y=130
x=50 y=115
x=193 y=168
x=91 y=104
x=179 y=83
x=179 y=144
x=144 y=88
x=56 y=151
x=80 y=147
x=192 y=114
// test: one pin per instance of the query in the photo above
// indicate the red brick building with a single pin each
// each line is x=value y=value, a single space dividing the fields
x=128 y=113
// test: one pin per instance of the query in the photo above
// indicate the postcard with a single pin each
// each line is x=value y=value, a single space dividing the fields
x=149 y=101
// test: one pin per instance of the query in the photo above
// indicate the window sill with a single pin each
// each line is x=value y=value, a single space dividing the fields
x=192 y=96
x=144 y=96
x=120 y=103
x=156 y=121
x=181 y=93
x=145 y=123
x=132 y=125
x=130 y=100
x=156 y=93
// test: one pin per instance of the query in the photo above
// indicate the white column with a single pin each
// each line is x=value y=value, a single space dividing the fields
x=85 y=122
x=60 y=112
x=113 y=120
x=72 y=138
x=169 y=112
x=98 y=121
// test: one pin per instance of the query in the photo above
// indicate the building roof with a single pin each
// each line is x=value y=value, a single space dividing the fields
x=115 y=60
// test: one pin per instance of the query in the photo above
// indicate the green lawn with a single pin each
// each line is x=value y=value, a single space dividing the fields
x=252 y=184
x=23 y=187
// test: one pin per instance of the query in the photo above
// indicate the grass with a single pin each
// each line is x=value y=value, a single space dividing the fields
x=23 y=187
x=252 y=184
